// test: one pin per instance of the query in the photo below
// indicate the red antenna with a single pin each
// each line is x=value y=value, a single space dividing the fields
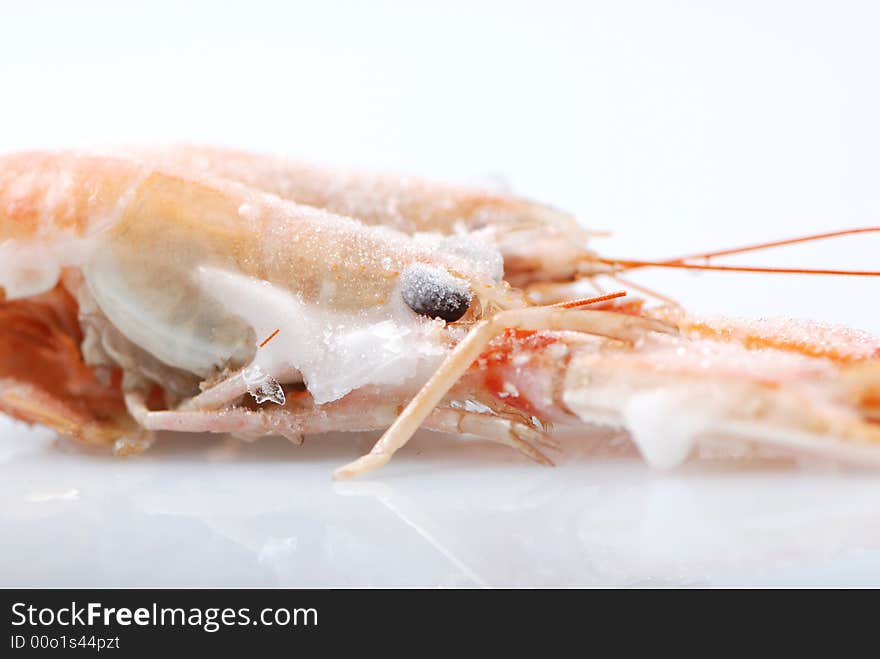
x=681 y=262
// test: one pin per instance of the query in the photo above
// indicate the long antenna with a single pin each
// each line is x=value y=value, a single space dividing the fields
x=681 y=262
x=779 y=243
x=627 y=264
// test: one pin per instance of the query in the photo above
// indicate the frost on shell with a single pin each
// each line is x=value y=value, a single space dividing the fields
x=479 y=254
x=335 y=351
x=262 y=386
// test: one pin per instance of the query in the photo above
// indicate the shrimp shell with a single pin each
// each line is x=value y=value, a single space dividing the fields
x=538 y=242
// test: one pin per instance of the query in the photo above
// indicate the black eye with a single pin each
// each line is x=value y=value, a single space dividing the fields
x=435 y=293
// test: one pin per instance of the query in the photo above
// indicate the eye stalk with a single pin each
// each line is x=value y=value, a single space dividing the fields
x=433 y=292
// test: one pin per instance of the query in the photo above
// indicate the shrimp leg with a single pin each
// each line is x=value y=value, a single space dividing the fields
x=345 y=416
x=498 y=429
x=600 y=323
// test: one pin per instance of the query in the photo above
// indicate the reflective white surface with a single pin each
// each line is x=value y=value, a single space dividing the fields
x=209 y=512
x=681 y=126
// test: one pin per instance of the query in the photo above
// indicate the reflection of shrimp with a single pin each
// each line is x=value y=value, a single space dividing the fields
x=154 y=293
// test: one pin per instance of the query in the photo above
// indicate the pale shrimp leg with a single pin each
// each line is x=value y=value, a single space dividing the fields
x=347 y=416
x=292 y=424
x=220 y=394
x=600 y=323
x=496 y=429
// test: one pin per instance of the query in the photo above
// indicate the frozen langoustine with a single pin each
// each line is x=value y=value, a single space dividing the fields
x=140 y=292
x=176 y=278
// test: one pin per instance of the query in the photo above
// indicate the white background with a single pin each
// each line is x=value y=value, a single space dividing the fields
x=677 y=125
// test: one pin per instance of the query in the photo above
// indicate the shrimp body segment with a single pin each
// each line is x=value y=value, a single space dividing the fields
x=538 y=243
x=722 y=388
x=189 y=290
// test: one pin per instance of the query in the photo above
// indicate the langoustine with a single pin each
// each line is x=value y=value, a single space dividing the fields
x=148 y=292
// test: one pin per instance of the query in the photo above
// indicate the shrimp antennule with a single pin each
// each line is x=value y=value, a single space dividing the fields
x=584 y=301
